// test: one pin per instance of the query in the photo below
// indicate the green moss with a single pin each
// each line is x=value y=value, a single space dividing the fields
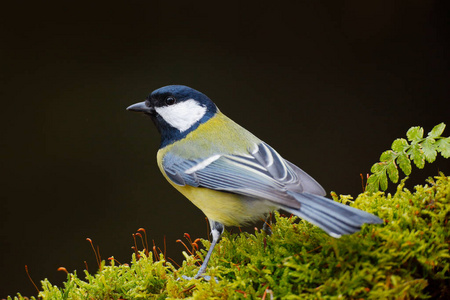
x=405 y=258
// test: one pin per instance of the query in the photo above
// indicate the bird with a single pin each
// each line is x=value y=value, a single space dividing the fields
x=232 y=176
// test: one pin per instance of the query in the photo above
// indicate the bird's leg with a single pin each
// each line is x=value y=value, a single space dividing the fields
x=216 y=232
x=267 y=222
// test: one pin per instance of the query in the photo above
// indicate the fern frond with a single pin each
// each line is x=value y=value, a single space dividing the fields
x=415 y=148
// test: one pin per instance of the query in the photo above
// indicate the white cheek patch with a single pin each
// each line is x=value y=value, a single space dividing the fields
x=182 y=115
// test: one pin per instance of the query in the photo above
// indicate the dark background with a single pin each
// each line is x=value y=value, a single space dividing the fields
x=329 y=85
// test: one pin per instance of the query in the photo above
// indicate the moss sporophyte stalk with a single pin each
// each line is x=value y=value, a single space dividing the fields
x=407 y=257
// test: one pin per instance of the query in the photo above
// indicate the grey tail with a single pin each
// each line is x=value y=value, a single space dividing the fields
x=333 y=217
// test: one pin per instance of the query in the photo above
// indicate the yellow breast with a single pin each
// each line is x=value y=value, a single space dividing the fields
x=225 y=208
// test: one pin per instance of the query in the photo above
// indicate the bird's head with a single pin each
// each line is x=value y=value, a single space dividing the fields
x=176 y=110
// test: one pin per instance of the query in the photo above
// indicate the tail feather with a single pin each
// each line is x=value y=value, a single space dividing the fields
x=333 y=217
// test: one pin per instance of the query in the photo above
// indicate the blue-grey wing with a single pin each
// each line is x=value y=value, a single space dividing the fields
x=260 y=173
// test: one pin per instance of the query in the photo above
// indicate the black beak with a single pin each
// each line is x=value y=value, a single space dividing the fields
x=141 y=107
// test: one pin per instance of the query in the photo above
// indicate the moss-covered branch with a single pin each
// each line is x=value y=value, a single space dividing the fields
x=407 y=257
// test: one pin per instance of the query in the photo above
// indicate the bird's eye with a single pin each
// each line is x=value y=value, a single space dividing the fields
x=170 y=100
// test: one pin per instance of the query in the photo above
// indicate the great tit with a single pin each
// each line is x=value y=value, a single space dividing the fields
x=230 y=174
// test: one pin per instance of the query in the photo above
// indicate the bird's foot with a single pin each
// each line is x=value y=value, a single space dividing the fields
x=267 y=225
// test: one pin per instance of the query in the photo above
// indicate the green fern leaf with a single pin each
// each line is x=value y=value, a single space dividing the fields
x=416 y=154
x=392 y=172
x=383 y=180
x=387 y=155
x=443 y=146
x=400 y=145
x=404 y=163
x=377 y=167
x=415 y=133
x=437 y=131
x=373 y=183
x=429 y=149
